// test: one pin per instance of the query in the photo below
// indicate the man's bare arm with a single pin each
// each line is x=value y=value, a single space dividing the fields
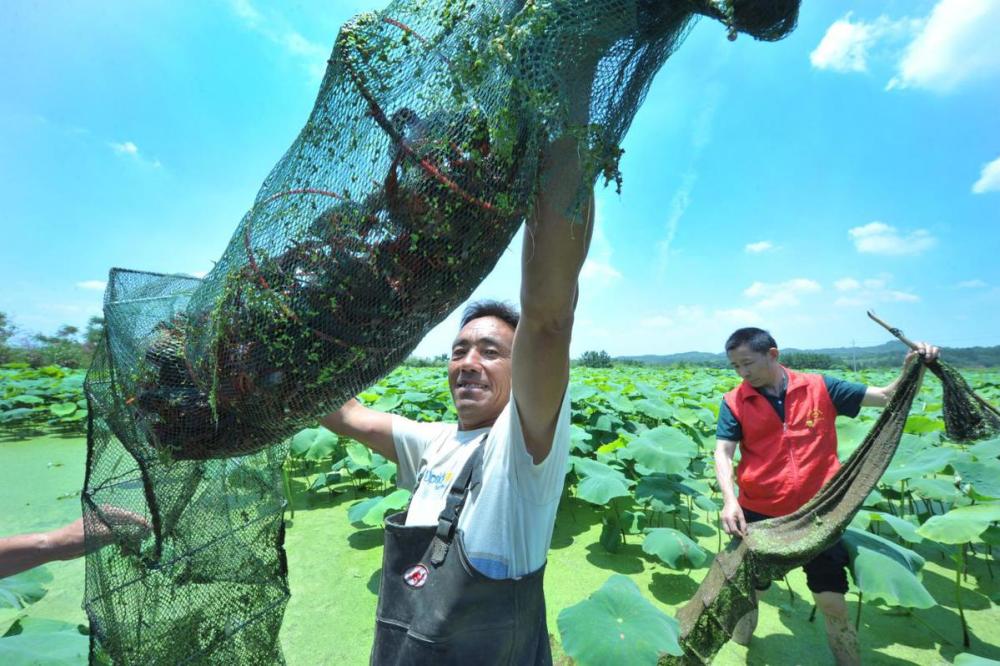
x=25 y=551
x=879 y=396
x=369 y=426
x=555 y=247
x=733 y=520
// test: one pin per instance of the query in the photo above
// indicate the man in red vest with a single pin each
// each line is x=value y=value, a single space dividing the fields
x=783 y=422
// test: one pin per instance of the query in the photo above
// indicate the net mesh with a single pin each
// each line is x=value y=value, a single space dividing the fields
x=414 y=170
x=774 y=547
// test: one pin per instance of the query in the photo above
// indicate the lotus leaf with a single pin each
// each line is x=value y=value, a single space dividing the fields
x=587 y=467
x=8 y=616
x=359 y=455
x=25 y=588
x=991 y=535
x=600 y=490
x=910 y=559
x=313 y=444
x=655 y=410
x=905 y=529
x=674 y=548
x=617 y=625
x=63 y=408
x=928 y=461
x=581 y=392
x=385 y=470
x=656 y=458
x=879 y=576
x=982 y=475
x=706 y=503
x=620 y=403
x=850 y=434
x=935 y=489
x=917 y=424
x=388 y=402
x=960 y=525
x=45 y=643
x=966 y=659
x=988 y=449
x=372 y=510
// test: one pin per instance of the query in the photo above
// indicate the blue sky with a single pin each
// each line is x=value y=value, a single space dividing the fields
x=854 y=165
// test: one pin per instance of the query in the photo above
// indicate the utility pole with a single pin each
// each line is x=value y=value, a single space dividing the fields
x=854 y=356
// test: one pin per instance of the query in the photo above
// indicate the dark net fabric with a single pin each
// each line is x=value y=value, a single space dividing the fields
x=774 y=547
x=418 y=163
x=207 y=582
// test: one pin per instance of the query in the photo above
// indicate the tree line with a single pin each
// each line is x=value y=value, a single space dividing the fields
x=69 y=347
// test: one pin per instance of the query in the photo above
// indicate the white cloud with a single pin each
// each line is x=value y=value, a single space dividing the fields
x=275 y=28
x=781 y=294
x=880 y=238
x=901 y=297
x=130 y=150
x=678 y=205
x=127 y=148
x=870 y=291
x=956 y=44
x=598 y=267
x=844 y=47
x=951 y=46
x=875 y=283
x=701 y=136
x=593 y=269
x=246 y=11
x=299 y=45
x=698 y=317
x=96 y=285
x=657 y=321
x=989 y=178
x=867 y=299
x=846 y=284
x=971 y=284
x=850 y=46
x=758 y=247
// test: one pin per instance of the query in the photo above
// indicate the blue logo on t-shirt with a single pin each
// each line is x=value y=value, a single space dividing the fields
x=435 y=482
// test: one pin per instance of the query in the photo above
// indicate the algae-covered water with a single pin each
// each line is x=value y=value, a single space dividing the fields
x=333 y=569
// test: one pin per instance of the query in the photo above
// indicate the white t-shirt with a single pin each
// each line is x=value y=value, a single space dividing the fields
x=508 y=519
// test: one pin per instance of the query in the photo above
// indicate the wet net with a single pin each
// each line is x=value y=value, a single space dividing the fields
x=418 y=163
x=774 y=547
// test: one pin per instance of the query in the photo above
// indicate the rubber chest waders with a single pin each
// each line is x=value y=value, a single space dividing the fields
x=435 y=608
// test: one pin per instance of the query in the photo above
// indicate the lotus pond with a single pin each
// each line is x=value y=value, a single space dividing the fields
x=635 y=532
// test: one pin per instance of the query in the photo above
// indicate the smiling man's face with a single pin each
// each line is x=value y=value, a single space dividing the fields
x=479 y=372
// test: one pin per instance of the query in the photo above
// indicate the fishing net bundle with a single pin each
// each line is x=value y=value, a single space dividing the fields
x=774 y=547
x=415 y=168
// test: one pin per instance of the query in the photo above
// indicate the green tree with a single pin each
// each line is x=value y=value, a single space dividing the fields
x=810 y=361
x=595 y=359
x=7 y=329
x=93 y=333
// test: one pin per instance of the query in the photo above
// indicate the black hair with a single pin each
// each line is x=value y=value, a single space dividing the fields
x=757 y=339
x=489 y=308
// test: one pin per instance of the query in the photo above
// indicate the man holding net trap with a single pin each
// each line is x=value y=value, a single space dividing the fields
x=463 y=566
x=784 y=424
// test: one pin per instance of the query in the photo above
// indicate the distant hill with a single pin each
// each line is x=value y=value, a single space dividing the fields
x=888 y=354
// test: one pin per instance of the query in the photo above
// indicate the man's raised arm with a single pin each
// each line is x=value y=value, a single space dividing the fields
x=370 y=427
x=879 y=396
x=555 y=247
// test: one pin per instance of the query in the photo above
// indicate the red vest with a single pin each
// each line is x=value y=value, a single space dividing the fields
x=782 y=465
